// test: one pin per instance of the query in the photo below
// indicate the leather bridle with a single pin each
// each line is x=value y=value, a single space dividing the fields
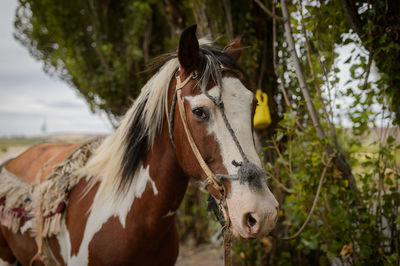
x=213 y=180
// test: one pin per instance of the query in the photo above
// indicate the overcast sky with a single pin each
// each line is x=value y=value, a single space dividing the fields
x=29 y=97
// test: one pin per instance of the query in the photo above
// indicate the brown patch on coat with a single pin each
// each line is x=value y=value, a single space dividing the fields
x=55 y=249
x=78 y=213
x=22 y=246
x=5 y=251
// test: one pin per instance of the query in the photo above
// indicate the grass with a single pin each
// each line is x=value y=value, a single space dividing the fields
x=20 y=141
x=15 y=145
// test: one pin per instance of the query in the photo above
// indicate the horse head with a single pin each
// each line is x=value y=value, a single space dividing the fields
x=207 y=96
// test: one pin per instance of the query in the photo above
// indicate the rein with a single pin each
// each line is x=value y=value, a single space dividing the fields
x=212 y=179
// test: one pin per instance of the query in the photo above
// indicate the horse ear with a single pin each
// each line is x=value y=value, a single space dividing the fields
x=188 y=51
x=234 y=48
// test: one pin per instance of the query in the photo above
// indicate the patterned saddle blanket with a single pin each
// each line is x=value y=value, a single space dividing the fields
x=24 y=196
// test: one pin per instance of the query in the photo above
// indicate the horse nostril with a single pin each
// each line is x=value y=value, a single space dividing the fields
x=251 y=220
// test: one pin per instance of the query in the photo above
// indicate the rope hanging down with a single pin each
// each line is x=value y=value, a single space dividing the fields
x=321 y=181
x=211 y=177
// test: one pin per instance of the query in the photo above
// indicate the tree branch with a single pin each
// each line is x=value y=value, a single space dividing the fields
x=111 y=119
x=310 y=213
x=200 y=17
x=371 y=55
x=229 y=25
x=350 y=10
x=299 y=72
x=269 y=13
x=263 y=65
x=314 y=77
x=146 y=41
x=340 y=160
x=275 y=65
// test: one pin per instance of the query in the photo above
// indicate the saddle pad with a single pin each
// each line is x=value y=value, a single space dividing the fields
x=21 y=198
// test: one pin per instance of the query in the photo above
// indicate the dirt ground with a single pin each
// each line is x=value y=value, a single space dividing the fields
x=203 y=255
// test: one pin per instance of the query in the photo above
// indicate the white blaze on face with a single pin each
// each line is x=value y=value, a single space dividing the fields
x=237 y=102
x=260 y=204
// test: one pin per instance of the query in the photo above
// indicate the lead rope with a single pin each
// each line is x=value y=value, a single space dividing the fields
x=211 y=178
x=321 y=181
x=227 y=234
x=46 y=258
x=39 y=257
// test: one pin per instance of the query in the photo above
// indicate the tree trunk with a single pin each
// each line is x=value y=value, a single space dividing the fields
x=340 y=159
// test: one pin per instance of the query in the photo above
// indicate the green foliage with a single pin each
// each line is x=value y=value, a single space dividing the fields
x=339 y=229
x=95 y=46
x=193 y=219
x=101 y=48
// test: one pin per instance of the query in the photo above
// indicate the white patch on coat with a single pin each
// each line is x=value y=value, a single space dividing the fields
x=27 y=225
x=64 y=242
x=5 y=263
x=108 y=206
x=170 y=213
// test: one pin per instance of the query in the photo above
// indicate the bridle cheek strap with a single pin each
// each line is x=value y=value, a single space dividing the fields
x=211 y=178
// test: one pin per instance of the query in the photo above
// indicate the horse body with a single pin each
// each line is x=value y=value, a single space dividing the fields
x=122 y=209
x=91 y=225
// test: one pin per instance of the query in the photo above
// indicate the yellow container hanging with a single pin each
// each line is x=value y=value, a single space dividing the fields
x=262 y=117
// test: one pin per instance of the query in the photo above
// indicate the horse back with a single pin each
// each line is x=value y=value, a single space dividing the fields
x=36 y=163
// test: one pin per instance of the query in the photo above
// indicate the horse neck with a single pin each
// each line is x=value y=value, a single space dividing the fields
x=167 y=175
x=151 y=200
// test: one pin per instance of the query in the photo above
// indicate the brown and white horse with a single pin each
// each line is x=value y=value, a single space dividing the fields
x=122 y=210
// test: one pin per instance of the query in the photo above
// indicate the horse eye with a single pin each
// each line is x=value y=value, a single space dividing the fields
x=201 y=113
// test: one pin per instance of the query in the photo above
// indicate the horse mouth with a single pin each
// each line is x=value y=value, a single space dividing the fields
x=249 y=231
x=242 y=235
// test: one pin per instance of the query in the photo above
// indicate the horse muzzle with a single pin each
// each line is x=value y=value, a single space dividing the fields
x=253 y=209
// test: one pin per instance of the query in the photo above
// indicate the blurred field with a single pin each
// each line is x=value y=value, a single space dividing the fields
x=12 y=146
x=9 y=147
